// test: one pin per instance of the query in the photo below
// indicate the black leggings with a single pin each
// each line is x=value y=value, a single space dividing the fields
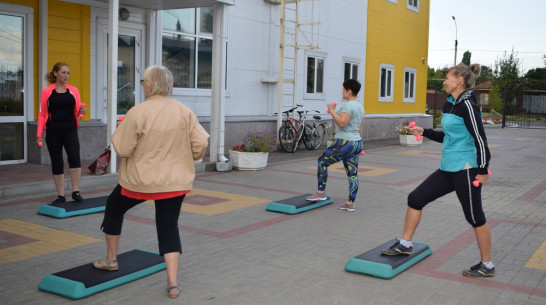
x=167 y=212
x=441 y=183
x=55 y=140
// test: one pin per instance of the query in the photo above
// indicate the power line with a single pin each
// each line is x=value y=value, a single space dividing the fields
x=490 y=51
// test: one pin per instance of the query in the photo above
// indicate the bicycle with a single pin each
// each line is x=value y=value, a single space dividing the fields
x=314 y=135
x=289 y=133
x=294 y=132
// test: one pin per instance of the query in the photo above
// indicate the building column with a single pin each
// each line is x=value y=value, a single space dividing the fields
x=113 y=29
x=218 y=86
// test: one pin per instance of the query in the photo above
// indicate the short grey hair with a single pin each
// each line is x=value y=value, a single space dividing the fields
x=159 y=79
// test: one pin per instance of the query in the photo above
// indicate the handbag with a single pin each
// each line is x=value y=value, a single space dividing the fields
x=98 y=167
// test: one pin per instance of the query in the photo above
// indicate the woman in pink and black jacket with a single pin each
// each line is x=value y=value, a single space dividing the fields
x=60 y=107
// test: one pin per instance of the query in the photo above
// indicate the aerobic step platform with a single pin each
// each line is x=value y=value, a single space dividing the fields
x=85 y=280
x=298 y=204
x=385 y=266
x=74 y=208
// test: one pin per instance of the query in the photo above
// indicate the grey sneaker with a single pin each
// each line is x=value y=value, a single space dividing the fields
x=348 y=207
x=398 y=249
x=479 y=270
x=317 y=197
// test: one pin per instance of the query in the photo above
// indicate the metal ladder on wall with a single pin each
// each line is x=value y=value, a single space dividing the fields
x=296 y=33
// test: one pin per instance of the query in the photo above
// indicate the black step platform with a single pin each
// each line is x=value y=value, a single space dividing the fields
x=297 y=204
x=74 y=208
x=384 y=266
x=85 y=280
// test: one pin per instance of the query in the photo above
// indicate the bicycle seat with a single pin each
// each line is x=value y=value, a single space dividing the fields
x=316 y=117
x=300 y=112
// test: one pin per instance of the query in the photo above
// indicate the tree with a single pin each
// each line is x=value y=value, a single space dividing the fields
x=535 y=79
x=466 y=58
x=485 y=74
x=436 y=77
x=506 y=79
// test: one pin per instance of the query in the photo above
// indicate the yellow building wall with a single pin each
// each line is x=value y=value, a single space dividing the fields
x=69 y=30
x=396 y=36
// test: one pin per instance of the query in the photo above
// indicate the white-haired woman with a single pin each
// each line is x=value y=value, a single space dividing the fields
x=465 y=158
x=158 y=142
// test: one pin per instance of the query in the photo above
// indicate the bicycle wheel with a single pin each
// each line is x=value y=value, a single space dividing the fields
x=318 y=135
x=287 y=138
x=308 y=137
x=299 y=137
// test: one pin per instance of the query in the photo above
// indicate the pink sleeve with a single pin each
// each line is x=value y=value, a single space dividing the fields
x=42 y=112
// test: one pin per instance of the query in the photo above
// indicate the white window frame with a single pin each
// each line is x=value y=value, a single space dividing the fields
x=353 y=62
x=413 y=5
x=27 y=13
x=393 y=1
x=389 y=95
x=408 y=98
x=194 y=91
x=315 y=94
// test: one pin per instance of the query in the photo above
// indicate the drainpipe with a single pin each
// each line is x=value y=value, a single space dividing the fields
x=113 y=9
x=218 y=86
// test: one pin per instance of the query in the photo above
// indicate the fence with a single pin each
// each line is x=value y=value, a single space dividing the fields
x=526 y=110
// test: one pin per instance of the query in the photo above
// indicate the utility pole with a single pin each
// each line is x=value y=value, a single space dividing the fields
x=455 y=60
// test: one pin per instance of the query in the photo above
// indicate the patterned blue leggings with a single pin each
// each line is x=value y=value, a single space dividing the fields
x=349 y=152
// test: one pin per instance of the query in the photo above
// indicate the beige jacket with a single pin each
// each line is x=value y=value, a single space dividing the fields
x=158 y=141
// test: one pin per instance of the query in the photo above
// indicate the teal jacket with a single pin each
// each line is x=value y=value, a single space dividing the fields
x=462 y=135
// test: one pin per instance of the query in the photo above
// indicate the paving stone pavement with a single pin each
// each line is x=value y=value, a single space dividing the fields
x=235 y=252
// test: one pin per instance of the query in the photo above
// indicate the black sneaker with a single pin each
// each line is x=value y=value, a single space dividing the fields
x=479 y=270
x=398 y=249
x=77 y=197
x=60 y=199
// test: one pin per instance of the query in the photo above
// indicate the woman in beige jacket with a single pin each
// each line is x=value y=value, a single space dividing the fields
x=158 y=142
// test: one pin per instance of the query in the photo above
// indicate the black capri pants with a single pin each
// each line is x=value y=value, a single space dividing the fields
x=441 y=183
x=167 y=212
x=56 y=139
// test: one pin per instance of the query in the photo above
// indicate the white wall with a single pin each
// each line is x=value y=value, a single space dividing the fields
x=253 y=54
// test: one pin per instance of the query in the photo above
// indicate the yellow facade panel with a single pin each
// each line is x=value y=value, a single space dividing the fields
x=396 y=36
x=62 y=22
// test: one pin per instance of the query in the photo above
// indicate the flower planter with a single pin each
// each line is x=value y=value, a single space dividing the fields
x=409 y=140
x=243 y=160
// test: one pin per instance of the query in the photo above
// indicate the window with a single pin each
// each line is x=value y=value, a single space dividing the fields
x=409 y=85
x=413 y=5
x=386 y=78
x=187 y=46
x=350 y=71
x=315 y=75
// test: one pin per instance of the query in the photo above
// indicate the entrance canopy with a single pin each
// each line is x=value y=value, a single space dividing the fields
x=160 y=4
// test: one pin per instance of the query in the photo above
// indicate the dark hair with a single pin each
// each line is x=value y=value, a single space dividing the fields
x=468 y=73
x=353 y=85
x=50 y=76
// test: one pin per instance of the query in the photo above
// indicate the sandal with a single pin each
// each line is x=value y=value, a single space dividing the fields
x=98 y=264
x=173 y=295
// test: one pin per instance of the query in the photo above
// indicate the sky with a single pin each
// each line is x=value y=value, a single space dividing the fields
x=487 y=28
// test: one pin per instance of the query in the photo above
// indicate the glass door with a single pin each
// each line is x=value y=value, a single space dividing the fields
x=12 y=101
x=129 y=64
x=126 y=73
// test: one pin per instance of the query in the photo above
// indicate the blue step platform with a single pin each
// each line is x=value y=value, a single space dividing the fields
x=384 y=266
x=85 y=280
x=74 y=208
x=298 y=204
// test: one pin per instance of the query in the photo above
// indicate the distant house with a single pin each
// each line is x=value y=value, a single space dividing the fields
x=482 y=90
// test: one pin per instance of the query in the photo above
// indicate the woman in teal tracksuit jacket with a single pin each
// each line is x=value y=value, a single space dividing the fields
x=465 y=158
